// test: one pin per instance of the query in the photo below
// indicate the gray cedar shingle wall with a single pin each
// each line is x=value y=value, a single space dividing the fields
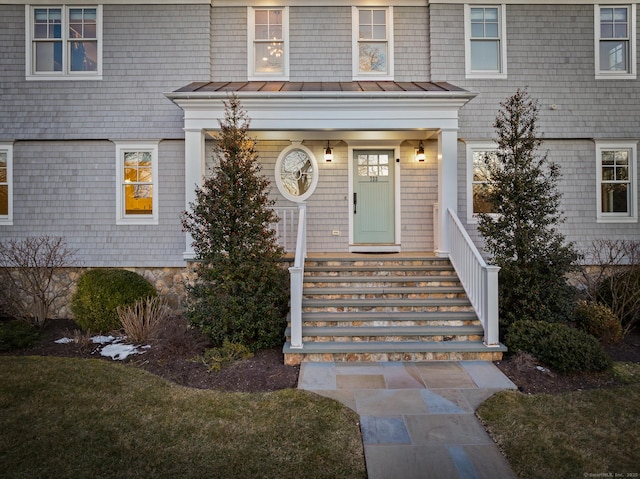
x=550 y=50
x=411 y=43
x=228 y=44
x=320 y=39
x=75 y=195
x=147 y=50
x=64 y=164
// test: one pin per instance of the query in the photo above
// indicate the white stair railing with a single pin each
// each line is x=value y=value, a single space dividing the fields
x=480 y=281
x=286 y=228
x=296 y=274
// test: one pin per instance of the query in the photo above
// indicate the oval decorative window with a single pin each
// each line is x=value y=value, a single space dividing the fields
x=296 y=173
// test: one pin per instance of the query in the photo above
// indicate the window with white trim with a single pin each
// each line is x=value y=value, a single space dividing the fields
x=478 y=177
x=485 y=41
x=64 y=42
x=372 y=43
x=6 y=184
x=137 y=173
x=268 y=43
x=617 y=182
x=615 y=41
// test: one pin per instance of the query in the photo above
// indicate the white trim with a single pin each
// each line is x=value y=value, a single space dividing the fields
x=632 y=215
x=65 y=74
x=7 y=220
x=502 y=35
x=314 y=180
x=536 y=2
x=136 y=145
x=355 y=56
x=252 y=75
x=472 y=147
x=376 y=145
x=604 y=75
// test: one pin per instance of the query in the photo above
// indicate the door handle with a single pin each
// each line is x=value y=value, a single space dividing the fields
x=355 y=203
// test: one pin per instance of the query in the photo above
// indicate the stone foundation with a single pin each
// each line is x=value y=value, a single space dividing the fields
x=168 y=282
x=294 y=359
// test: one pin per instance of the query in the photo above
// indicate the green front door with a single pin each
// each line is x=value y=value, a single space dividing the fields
x=373 y=205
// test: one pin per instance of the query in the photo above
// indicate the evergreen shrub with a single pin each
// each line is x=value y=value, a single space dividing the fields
x=99 y=294
x=598 y=320
x=241 y=290
x=17 y=334
x=565 y=349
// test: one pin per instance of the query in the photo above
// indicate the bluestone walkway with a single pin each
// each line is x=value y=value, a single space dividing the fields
x=417 y=419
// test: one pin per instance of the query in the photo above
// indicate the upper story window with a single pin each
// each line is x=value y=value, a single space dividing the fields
x=6 y=184
x=479 y=155
x=617 y=182
x=268 y=43
x=137 y=195
x=372 y=43
x=64 y=43
x=485 y=41
x=615 y=36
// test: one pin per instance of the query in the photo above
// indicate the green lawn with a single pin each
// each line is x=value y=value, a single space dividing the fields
x=570 y=435
x=70 y=418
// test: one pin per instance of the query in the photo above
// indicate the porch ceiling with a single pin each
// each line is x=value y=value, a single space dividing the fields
x=326 y=106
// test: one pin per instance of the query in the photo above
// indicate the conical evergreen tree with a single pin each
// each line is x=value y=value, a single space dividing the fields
x=522 y=236
x=241 y=292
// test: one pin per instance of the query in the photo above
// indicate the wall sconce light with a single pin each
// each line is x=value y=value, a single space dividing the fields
x=328 y=154
x=420 y=153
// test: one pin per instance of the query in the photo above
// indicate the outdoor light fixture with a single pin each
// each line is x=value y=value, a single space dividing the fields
x=328 y=154
x=420 y=153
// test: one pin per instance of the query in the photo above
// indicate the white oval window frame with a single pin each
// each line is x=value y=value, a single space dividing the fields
x=314 y=181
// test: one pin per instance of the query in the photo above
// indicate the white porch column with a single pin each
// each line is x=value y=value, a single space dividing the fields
x=447 y=185
x=193 y=175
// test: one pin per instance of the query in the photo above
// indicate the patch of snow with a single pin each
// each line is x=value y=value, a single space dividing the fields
x=540 y=368
x=102 y=339
x=63 y=341
x=119 y=351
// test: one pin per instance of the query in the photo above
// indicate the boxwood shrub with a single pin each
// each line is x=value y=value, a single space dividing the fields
x=563 y=348
x=598 y=320
x=17 y=334
x=101 y=291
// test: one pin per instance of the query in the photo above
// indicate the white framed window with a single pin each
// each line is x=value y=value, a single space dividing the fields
x=478 y=177
x=268 y=43
x=296 y=173
x=617 y=182
x=137 y=182
x=372 y=40
x=485 y=41
x=615 y=41
x=6 y=184
x=64 y=42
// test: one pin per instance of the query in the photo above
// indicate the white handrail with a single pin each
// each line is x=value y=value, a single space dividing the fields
x=480 y=281
x=286 y=228
x=296 y=275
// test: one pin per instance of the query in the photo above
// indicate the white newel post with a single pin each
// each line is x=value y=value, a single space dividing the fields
x=193 y=174
x=491 y=330
x=296 y=274
x=447 y=186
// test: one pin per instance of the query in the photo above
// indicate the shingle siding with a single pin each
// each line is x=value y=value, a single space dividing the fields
x=228 y=44
x=550 y=51
x=147 y=50
x=64 y=161
x=74 y=196
x=411 y=43
x=320 y=39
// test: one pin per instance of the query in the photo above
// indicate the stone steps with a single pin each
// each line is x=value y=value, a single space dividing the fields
x=386 y=309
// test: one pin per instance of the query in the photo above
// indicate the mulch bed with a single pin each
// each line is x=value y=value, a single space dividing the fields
x=174 y=357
